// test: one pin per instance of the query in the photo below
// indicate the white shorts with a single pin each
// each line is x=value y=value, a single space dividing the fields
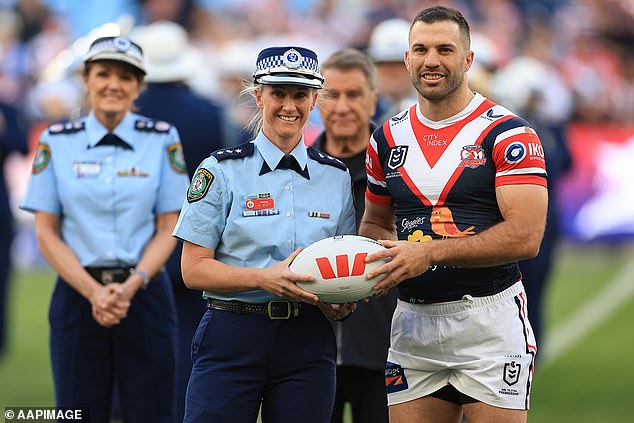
x=484 y=347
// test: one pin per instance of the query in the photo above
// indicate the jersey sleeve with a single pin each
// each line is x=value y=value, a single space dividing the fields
x=377 y=192
x=519 y=158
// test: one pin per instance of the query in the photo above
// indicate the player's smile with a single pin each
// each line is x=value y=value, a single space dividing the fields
x=432 y=76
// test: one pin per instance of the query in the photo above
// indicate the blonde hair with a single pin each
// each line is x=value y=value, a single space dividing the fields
x=256 y=121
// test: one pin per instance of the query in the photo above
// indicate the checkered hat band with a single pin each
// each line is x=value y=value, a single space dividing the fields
x=108 y=45
x=276 y=64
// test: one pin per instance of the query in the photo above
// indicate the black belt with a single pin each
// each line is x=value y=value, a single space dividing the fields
x=107 y=275
x=274 y=310
x=416 y=300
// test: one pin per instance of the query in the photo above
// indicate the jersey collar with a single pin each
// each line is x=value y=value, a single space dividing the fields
x=475 y=102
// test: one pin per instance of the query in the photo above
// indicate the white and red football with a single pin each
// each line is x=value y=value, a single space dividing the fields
x=339 y=268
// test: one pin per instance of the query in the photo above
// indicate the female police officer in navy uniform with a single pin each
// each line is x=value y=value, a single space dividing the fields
x=249 y=209
x=106 y=191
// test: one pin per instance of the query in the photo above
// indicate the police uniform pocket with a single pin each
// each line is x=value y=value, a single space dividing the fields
x=199 y=336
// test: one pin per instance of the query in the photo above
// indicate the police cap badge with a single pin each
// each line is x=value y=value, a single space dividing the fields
x=288 y=65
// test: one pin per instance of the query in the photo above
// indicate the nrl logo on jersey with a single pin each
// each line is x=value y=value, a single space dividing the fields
x=472 y=156
x=397 y=157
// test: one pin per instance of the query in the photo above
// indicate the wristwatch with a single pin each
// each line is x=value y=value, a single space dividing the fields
x=145 y=276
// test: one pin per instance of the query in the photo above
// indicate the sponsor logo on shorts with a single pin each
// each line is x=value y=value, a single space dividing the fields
x=511 y=373
x=395 y=380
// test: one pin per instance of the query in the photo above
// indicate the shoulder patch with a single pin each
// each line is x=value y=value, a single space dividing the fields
x=149 y=125
x=242 y=150
x=326 y=159
x=200 y=185
x=66 y=127
x=42 y=156
x=177 y=158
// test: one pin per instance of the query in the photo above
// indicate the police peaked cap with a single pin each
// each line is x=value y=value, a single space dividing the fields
x=119 y=49
x=288 y=66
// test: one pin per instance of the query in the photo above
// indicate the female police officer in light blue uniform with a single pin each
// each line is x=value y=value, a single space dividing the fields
x=106 y=191
x=262 y=340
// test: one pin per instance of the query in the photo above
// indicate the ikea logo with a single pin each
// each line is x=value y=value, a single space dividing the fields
x=535 y=150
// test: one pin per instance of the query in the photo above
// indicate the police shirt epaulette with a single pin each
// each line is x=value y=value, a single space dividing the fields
x=66 y=127
x=242 y=150
x=324 y=158
x=159 y=126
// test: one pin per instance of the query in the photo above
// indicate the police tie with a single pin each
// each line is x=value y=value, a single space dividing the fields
x=112 y=139
x=287 y=162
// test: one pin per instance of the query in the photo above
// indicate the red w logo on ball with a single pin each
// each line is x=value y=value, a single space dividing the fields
x=343 y=270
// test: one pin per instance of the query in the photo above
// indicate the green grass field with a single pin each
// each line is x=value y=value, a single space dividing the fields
x=589 y=382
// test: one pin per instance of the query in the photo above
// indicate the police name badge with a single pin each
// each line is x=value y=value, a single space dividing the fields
x=200 y=185
x=86 y=169
x=260 y=203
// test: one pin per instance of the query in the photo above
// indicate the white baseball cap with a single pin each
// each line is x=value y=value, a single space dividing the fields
x=168 y=55
x=389 y=41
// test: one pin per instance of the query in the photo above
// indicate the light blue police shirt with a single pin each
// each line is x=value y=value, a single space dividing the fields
x=107 y=197
x=293 y=211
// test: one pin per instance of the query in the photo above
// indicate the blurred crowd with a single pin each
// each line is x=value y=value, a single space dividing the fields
x=552 y=60
x=573 y=55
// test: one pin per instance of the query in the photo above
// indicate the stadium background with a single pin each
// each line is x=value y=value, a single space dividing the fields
x=587 y=360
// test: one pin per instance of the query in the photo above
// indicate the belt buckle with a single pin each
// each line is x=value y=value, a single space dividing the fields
x=107 y=277
x=275 y=313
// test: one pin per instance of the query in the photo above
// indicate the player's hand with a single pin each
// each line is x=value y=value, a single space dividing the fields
x=280 y=281
x=408 y=259
x=337 y=312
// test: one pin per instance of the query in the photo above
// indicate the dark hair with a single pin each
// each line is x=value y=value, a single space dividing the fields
x=138 y=74
x=442 y=13
x=351 y=58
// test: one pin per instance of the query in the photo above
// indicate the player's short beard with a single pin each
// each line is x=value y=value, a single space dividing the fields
x=452 y=82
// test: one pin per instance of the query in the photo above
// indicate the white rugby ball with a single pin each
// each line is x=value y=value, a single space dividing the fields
x=339 y=268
